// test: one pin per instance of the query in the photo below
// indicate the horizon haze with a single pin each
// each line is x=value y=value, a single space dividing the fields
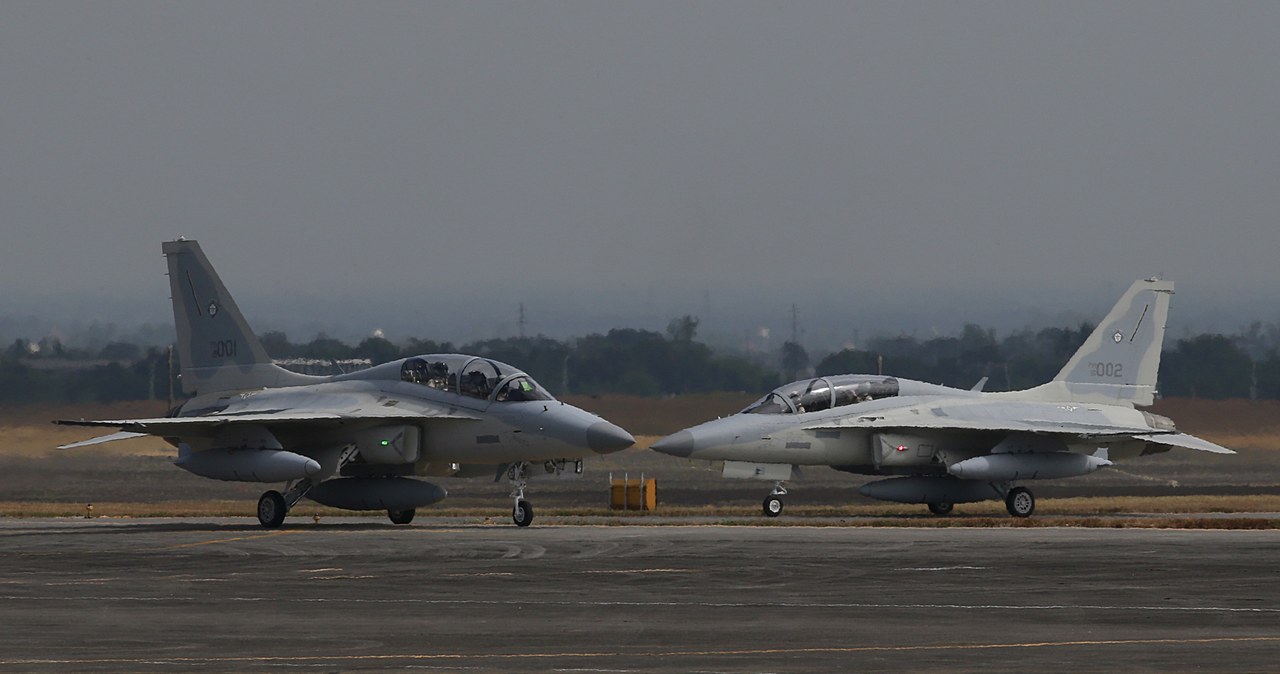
x=425 y=168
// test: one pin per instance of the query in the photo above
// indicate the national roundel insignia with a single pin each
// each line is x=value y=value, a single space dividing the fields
x=213 y=309
x=1118 y=337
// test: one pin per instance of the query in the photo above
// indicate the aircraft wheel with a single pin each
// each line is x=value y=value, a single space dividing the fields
x=941 y=508
x=272 y=509
x=401 y=516
x=772 y=506
x=522 y=514
x=1020 y=502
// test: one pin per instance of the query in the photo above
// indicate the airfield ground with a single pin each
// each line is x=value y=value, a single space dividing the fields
x=1163 y=564
x=352 y=594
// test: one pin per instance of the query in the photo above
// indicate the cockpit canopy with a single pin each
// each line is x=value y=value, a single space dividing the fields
x=811 y=395
x=472 y=376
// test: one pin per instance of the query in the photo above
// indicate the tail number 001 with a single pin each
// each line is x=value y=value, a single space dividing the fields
x=1106 y=369
x=224 y=348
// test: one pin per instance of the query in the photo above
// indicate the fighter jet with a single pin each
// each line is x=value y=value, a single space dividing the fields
x=948 y=445
x=352 y=440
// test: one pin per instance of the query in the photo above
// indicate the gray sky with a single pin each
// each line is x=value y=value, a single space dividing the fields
x=426 y=166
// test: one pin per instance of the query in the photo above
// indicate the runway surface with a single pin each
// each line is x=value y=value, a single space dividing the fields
x=356 y=594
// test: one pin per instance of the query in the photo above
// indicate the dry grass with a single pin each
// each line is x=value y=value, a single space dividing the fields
x=29 y=431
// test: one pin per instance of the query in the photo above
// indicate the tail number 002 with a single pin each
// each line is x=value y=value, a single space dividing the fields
x=1106 y=369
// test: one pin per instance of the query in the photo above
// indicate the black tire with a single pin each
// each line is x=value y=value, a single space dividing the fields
x=941 y=508
x=522 y=514
x=1020 y=502
x=772 y=506
x=401 y=516
x=272 y=509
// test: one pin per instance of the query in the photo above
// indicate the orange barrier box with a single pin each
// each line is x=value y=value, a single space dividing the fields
x=628 y=494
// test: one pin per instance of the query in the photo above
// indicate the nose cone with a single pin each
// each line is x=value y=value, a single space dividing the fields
x=603 y=437
x=677 y=444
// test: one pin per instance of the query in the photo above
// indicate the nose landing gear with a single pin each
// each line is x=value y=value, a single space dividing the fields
x=518 y=476
x=772 y=505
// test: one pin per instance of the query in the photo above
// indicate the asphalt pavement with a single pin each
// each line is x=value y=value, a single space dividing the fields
x=358 y=594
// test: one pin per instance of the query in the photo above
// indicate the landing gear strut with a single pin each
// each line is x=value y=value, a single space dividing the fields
x=772 y=505
x=518 y=476
x=1020 y=502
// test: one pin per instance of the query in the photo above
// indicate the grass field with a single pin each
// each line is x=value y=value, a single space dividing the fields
x=134 y=478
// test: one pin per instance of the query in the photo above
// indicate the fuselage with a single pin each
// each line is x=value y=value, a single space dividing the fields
x=891 y=434
x=469 y=411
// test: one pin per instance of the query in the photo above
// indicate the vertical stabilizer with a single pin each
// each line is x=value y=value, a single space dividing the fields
x=216 y=348
x=1120 y=360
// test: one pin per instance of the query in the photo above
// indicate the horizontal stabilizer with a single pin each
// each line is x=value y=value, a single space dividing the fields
x=122 y=435
x=1185 y=441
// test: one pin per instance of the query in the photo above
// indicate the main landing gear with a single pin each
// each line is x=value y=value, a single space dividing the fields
x=401 y=516
x=941 y=508
x=272 y=509
x=772 y=505
x=518 y=476
x=1020 y=502
x=273 y=506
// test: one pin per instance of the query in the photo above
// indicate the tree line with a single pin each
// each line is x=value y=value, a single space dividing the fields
x=649 y=363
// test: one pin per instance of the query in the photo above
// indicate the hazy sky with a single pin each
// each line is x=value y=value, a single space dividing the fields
x=615 y=163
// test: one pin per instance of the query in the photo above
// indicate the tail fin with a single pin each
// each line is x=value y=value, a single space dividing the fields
x=1121 y=358
x=217 y=349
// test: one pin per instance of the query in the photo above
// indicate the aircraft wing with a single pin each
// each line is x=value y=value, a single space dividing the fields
x=1082 y=430
x=1185 y=441
x=207 y=424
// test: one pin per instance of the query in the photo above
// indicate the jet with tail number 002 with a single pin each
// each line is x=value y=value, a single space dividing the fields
x=357 y=440
x=948 y=445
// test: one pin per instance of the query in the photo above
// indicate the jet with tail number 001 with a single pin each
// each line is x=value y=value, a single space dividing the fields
x=947 y=445
x=357 y=440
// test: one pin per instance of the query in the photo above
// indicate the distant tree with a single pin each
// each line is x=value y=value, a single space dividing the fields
x=20 y=348
x=795 y=360
x=324 y=347
x=682 y=329
x=277 y=345
x=1268 y=374
x=848 y=361
x=418 y=347
x=1206 y=366
x=377 y=349
x=120 y=351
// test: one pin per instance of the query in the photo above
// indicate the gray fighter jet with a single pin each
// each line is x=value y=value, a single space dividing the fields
x=948 y=445
x=352 y=440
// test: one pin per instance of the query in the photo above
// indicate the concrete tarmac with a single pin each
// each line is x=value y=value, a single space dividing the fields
x=358 y=594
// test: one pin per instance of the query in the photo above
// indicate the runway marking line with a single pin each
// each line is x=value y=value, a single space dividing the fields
x=632 y=654
x=216 y=541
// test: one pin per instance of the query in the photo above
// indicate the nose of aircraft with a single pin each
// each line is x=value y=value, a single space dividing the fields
x=604 y=437
x=676 y=444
